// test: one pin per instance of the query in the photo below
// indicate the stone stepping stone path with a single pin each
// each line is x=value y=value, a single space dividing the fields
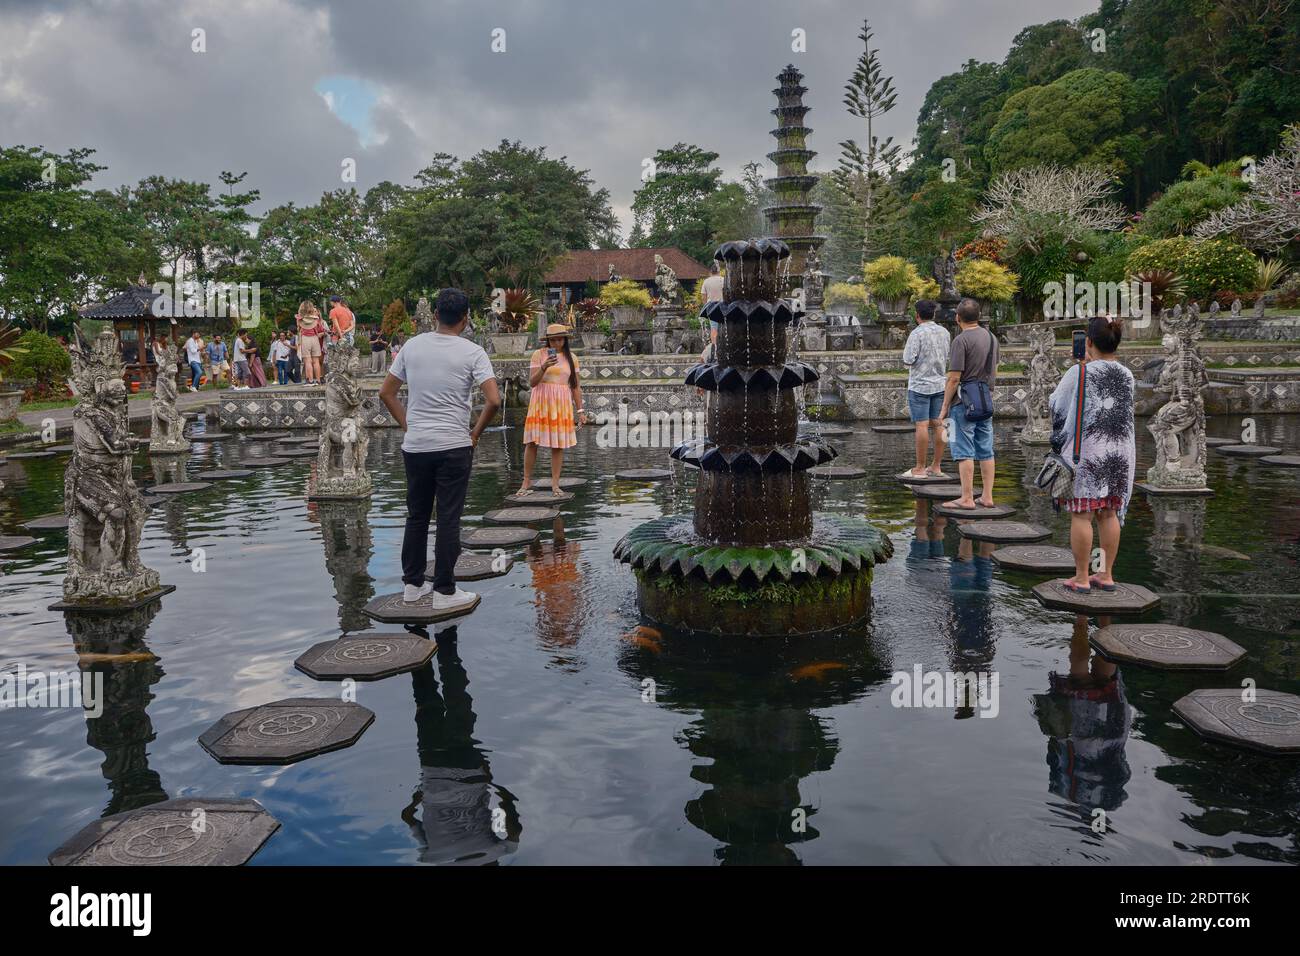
x=979 y=511
x=286 y=731
x=1003 y=532
x=267 y=436
x=471 y=566
x=520 y=515
x=312 y=445
x=1167 y=647
x=54 y=522
x=838 y=472
x=391 y=609
x=62 y=449
x=1041 y=558
x=218 y=474
x=539 y=498
x=366 y=657
x=1248 y=451
x=263 y=462
x=643 y=474
x=163 y=834
x=178 y=487
x=1285 y=461
x=299 y=439
x=1125 y=599
x=303 y=452
x=1147 y=489
x=899 y=429
x=1270 y=723
x=20 y=455
x=497 y=537
x=207 y=436
x=1219 y=442
x=943 y=492
x=826 y=431
x=907 y=478
x=12 y=542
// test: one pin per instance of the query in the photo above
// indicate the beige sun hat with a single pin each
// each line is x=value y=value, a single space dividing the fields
x=555 y=328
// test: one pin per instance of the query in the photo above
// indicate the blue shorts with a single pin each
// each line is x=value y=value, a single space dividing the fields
x=970 y=439
x=924 y=408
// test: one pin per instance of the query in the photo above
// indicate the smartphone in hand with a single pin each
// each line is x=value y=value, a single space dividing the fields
x=1080 y=342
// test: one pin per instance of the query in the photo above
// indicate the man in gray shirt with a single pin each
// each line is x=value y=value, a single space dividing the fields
x=440 y=370
x=974 y=357
x=926 y=358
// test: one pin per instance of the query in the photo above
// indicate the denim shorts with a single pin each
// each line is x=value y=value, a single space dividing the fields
x=924 y=408
x=970 y=439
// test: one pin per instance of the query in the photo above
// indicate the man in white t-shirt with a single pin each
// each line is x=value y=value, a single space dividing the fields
x=194 y=355
x=440 y=370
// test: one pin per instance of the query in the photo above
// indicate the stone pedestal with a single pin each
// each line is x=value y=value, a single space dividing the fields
x=167 y=428
x=1041 y=375
x=1179 y=426
x=341 y=461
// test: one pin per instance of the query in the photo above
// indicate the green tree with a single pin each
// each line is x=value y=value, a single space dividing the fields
x=1186 y=204
x=954 y=123
x=672 y=208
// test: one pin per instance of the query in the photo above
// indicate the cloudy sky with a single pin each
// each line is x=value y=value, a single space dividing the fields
x=290 y=89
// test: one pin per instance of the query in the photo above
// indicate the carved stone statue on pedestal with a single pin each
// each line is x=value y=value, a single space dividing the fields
x=814 y=284
x=670 y=290
x=945 y=273
x=424 y=321
x=167 y=432
x=341 y=463
x=104 y=508
x=1040 y=375
x=1179 y=425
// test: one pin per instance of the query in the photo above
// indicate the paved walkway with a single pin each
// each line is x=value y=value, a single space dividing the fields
x=137 y=409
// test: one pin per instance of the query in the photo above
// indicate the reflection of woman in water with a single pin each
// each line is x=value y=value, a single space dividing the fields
x=451 y=816
x=1086 y=720
x=557 y=585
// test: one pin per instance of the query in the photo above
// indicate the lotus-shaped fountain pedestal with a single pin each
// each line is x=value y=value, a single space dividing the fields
x=754 y=559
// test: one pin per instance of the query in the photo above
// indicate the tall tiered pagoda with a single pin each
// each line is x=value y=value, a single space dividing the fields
x=792 y=218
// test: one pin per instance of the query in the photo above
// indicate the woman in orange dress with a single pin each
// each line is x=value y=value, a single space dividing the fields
x=554 y=405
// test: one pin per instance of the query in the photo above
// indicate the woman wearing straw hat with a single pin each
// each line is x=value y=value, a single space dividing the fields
x=554 y=405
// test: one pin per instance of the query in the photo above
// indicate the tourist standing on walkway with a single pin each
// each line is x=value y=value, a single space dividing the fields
x=396 y=346
x=310 y=332
x=711 y=291
x=256 y=374
x=217 y=363
x=378 y=351
x=926 y=358
x=554 y=405
x=295 y=364
x=241 y=362
x=194 y=355
x=972 y=362
x=440 y=370
x=1106 y=450
x=280 y=356
x=343 y=324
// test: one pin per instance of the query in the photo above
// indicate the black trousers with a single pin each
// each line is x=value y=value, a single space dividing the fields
x=434 y=478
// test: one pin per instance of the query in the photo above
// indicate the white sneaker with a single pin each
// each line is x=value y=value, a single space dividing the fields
x=411 y=594
x=450 y=602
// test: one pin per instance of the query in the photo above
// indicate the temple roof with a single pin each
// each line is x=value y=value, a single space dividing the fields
x=592 y=265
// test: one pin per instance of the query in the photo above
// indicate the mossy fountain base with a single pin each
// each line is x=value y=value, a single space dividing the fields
x=817 y=587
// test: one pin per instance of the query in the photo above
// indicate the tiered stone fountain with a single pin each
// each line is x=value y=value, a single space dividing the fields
x=754 y=559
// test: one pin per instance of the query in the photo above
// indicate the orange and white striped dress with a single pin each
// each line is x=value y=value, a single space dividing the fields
x=550 y=406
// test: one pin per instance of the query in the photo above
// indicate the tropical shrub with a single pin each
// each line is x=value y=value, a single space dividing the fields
x=1108 y=254
x=518 y=309
x=986 y=281
x=1186 y=204
x=1206 y=266
x=588 y=312
x=1036 y=269
x=1268 y=273
x=37 y=358
x=846 y=298
x=890 y=278
x=992 y=249
x=396 y=319
x=625 y=292
x=9 y=347
x=925 y=288
x=1165 y=287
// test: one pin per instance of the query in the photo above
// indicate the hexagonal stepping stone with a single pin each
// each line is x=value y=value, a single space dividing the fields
x=178 y=487
x=896 y=429
x=263 y=462
x=1003 y=532
x=54 y=522
x=941 y=492
x=838 y=472
x=12 y=542
x=208 y=436
x=1249 y=451
x=907 y=478
x=299 y=439
x=826 y=431
x=1041 y=558
x=497 y=537
x=267 y=436
x=1218 y=442
x=310 y=445
x=286 y=731
x=62 y=449
x=1270 y=723
x=1125 y=599
x=1285 y=461
x=220 y=474
x=520 y=515
x=20 y=455
x=471 y=566
x=366 y=656
x=979 y=511
x=535 y=497
x=643 y=474
x=1167 y=647
x=302 y=452
x=391 y=609
x=164 y=834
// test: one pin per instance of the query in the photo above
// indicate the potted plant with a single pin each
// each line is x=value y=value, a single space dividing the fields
x=589 y=313
x=9 y=350
x=987 y=282
x=890 y=280
x=629 y=304
x=518 y=309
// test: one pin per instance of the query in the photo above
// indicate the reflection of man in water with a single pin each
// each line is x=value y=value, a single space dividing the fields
x=970 y=576
x=456 y=822
x=1086 y=720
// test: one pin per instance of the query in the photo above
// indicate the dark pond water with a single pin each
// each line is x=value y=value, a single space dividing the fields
x=543 y=734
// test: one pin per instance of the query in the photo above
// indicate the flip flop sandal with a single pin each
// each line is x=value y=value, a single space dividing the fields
x=1099 y=584
x=953 y=504
x=1074 y=588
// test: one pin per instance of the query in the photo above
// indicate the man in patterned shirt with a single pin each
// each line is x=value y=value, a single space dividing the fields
x=926 y=358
